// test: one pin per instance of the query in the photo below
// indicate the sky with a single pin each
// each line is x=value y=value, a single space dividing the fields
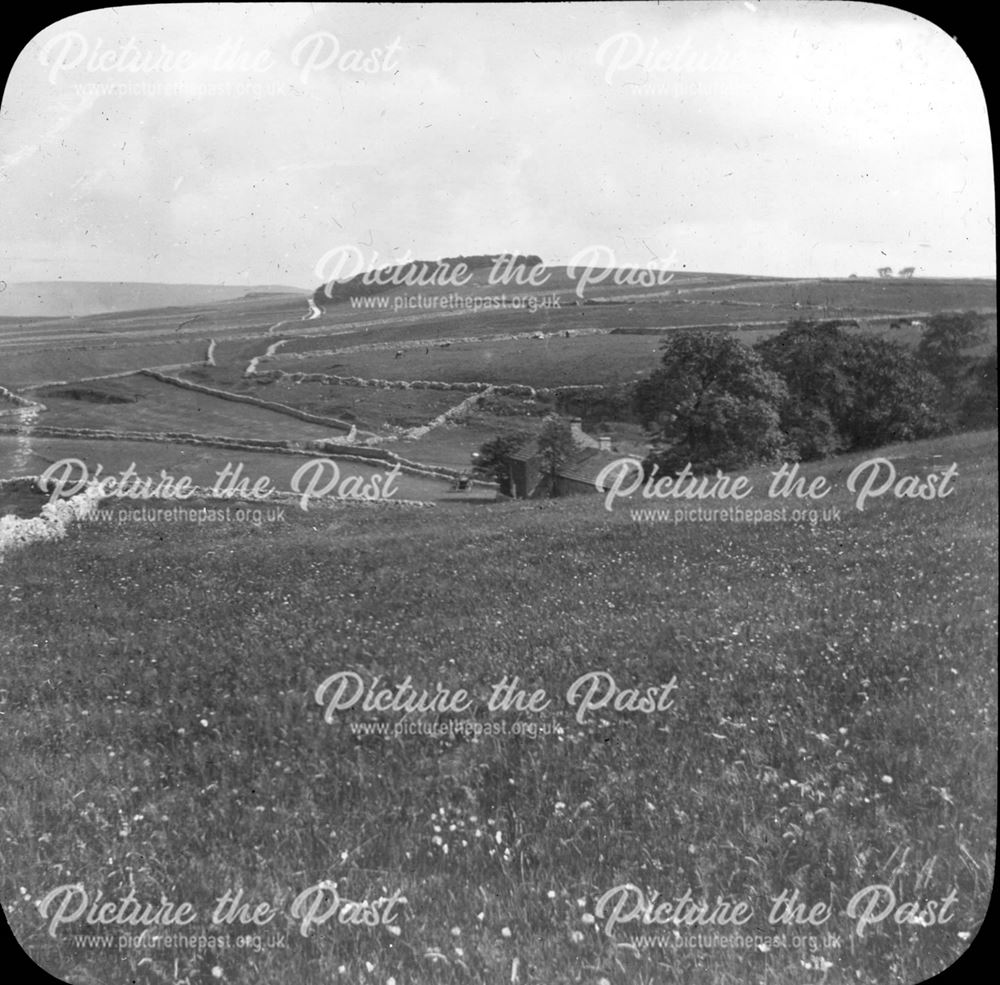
x=250 y=144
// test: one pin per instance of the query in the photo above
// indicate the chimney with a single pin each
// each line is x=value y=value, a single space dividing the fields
x=604 y=442
x=576 y=429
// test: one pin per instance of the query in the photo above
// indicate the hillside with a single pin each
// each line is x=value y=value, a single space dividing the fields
x=826 y=733
x=61 y=299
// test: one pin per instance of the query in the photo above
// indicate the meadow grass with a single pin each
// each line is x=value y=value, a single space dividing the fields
x=549 y=362
x=73 y=360
x=833 y=727
x=162 y=407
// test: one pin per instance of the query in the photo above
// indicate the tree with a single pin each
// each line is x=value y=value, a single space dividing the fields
x=808 y=356
x=893 y=398
x=491 y=458
x=942 y=347
x=713 y=402
x=848 y=390
x=979 y=406
x=944 y=350
x=556 y=447
x=885 y=271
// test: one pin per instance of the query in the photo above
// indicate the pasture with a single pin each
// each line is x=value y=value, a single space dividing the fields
x=369 y=409
x=141 y=403
x=832 y=729
x=56 y=361
x=201 y=462
x=549 y=362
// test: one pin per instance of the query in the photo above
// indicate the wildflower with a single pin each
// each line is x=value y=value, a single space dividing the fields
x=216 y=972
x=587 y=918
x=505 y=932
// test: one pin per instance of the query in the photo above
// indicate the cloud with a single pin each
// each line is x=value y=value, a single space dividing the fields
x=186 y=142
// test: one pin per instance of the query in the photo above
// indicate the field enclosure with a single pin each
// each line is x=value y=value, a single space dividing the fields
x=141 y=403
x=84 y=370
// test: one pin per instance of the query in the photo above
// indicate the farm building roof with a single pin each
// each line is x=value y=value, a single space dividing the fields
x=587 y=467
x=526 y=452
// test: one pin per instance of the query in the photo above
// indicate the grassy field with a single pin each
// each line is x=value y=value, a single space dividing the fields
x=866 y=295
x=549 y=362
x=201 y=462
x=452 y=445
x=57 y=363
x=833 y=728
x=141 y=403
x=368 y=408
x=37 y=351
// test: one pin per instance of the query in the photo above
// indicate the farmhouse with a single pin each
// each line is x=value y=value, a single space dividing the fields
x=575 y=476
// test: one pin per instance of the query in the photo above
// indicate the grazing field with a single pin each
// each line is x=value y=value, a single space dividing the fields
x=60 y=363
x=861 y=296
x=549 y=362
x=141 y=403
x=369 y=409
x=828 y=733
x=68 y=353
x=202 y=463
x=251 y=314
x=451 y=445
x=648 y=315
x=51 y=350
x=76 y=298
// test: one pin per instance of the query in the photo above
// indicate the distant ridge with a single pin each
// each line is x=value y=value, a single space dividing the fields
x=413 y=271
x=68 y=298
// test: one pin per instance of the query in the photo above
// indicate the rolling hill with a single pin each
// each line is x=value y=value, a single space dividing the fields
x=59 y=298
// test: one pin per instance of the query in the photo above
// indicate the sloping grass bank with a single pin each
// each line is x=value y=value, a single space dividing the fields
x=833 y=727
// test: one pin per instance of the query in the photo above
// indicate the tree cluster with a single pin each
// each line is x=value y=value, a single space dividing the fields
x=813 y=390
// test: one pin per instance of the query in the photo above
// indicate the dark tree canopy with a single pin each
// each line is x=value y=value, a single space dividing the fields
x=946 y=339
x=556 y=446
x=713 y=403
x=492 y=457
x=847 y=390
